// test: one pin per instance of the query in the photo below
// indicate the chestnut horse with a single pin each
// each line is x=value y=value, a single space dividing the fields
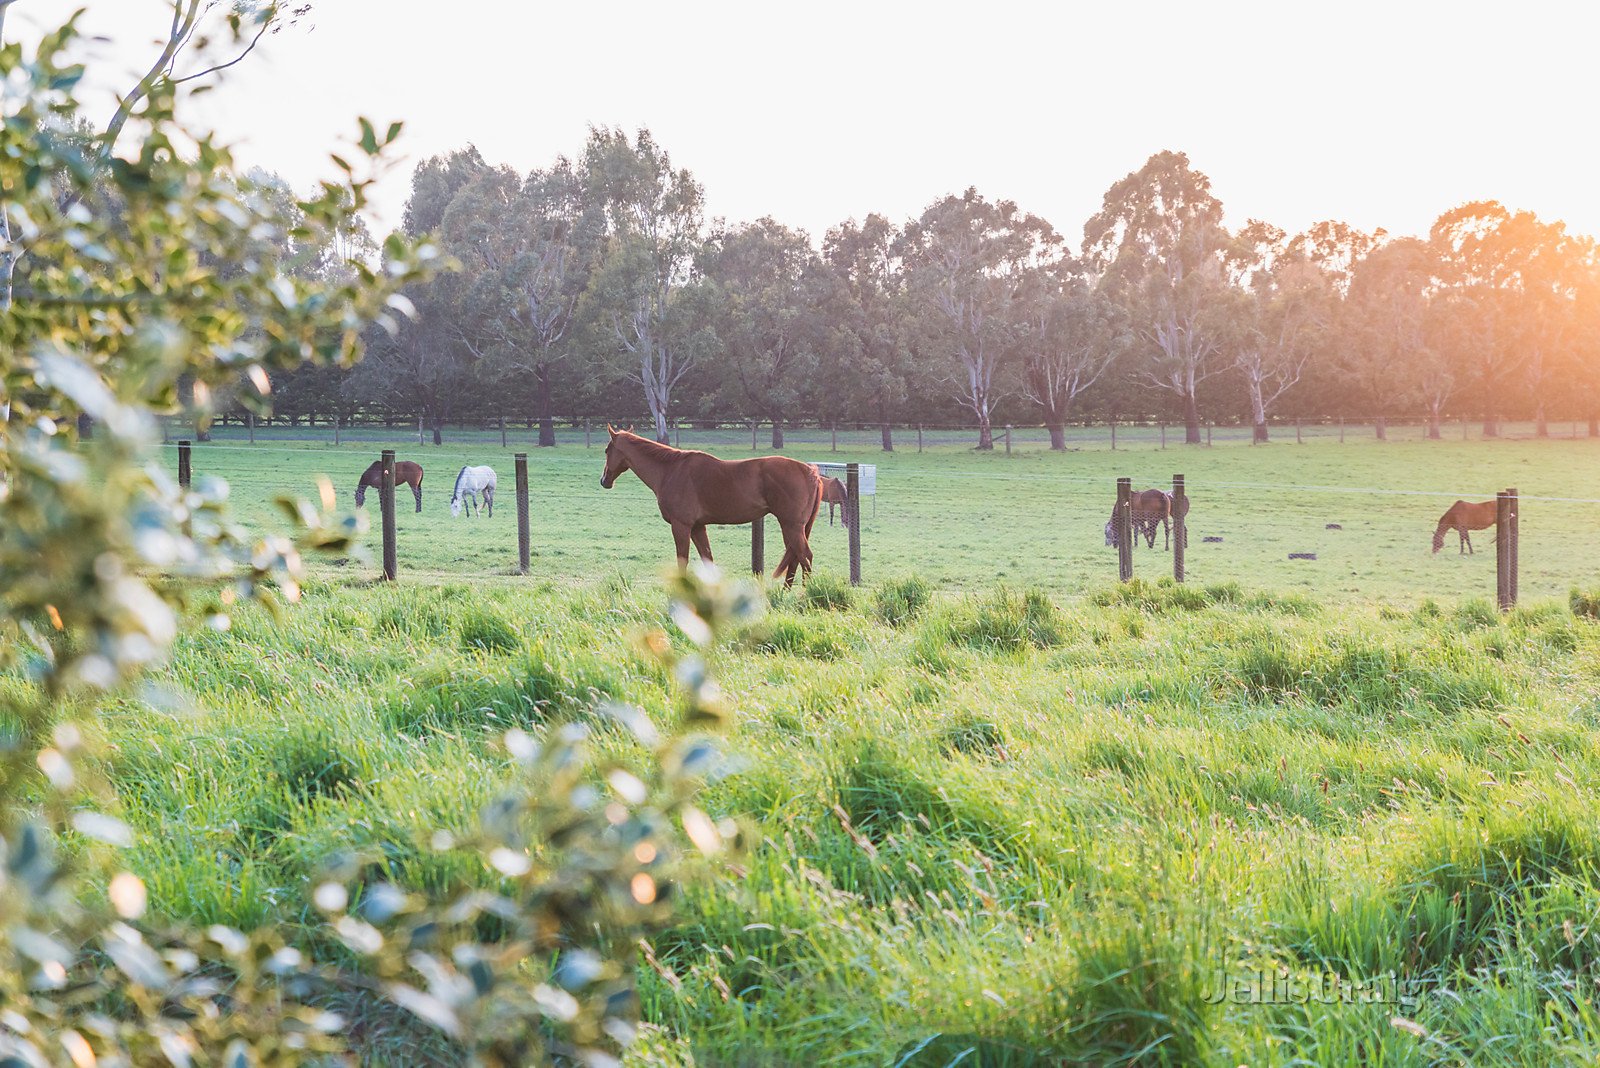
x=1462 y=517
x=1149 y=507
x=406 y=473
x=834 y=495
x=694 y=489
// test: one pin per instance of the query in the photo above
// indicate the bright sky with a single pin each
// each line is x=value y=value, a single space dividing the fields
x=1381 y=114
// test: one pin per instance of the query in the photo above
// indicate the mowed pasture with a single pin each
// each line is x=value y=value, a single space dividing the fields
x=968 y=520
x=1005 y=812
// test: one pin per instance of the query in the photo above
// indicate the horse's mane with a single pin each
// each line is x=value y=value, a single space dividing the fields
x=455 y=493
x=650 y=445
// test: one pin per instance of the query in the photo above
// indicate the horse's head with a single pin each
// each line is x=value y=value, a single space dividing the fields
x=1111 y=534
x=361 y=494
x=616 y=457
x=455 y=507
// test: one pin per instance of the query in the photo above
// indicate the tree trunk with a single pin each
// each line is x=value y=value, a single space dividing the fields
x=1191 y=420
x=1491 y=427
x=985 y=435
x=1258 y=432
x=438 y=431
x=777 y=433
x=1594 y=426
x=1058 y=435
x=1433 y=426
x=547 y=420
x=1381 y=428
x=888 y=437
x=1541 y=425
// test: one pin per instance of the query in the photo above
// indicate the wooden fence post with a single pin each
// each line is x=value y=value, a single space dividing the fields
x=524 y=535
x=919 y=437
x=758 y=545
x=588 y=428
x=336 y=421
x=1298 y=440
x=835 y=429
x=1208 y=435
x=1502 y=550
x=419 y=430
x=250 y=420
x=503 y=432
x=1341 y=430
x=852 y=488
x=1180 y=528
x=1163 y=435
x=391 y=563
x=1516 y=542
x=185 y=471
x=1122 y=527
x=1008 y=439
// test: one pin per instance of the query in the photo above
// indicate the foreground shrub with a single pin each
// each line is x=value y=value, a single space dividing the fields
x=1584 y=603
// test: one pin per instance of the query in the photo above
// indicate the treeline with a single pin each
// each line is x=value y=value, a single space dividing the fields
x=597 y=288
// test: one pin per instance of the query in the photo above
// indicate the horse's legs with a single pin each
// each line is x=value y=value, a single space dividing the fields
x=1464 y=542
x=797 y=552
x=1166 y=531
x=701 y=542
x=488 y=499
x=680 y=537
x=416 y=491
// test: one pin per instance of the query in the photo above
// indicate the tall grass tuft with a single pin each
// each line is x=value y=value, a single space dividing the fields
x=899 y=601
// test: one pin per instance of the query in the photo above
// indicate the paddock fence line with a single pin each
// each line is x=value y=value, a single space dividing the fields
x=1101 y=433
x=918 y=504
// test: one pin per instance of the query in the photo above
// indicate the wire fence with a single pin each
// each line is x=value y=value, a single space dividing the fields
x=758 y=437
x=1363 y=528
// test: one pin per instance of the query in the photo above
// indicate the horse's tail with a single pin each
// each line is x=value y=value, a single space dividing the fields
x=816 y=504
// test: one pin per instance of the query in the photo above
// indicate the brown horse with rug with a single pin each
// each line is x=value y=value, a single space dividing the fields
x=1151 y=508
x=406 y=473
x=1461 y=517
x=695 y=489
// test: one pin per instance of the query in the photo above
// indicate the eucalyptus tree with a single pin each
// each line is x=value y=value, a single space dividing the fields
x=654 y=218
x=874 y=362
x=1511 y=264
x=967 y=263
x=770 y=298
x=1071 y=334
x=1159 y=241
x=1284 y=299
x=1387 y=311
x=427 y=366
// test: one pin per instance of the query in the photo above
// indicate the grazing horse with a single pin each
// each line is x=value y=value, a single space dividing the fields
x=1150 y=508
x=406 y=473
x=1462 y=517
x=694 y=489
x=834 y=495
x=469 y=483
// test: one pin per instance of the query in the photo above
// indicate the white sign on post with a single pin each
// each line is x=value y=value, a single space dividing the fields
x=868 y=484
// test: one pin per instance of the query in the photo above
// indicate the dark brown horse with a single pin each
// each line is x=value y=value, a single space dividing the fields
x=1150 y=508
x=695 y=489
x=406 y=473
x=834 y=495
x=1462 y=517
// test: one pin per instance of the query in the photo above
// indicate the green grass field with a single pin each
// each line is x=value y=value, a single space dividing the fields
x=1010 y=808
x=967 y=520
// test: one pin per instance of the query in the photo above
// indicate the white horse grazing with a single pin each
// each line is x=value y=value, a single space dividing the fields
x=469 y=483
